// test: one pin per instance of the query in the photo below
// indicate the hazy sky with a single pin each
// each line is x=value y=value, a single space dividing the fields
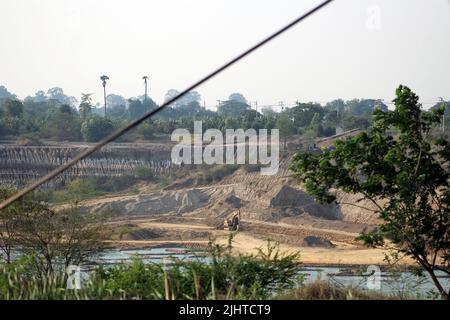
x=350 y=49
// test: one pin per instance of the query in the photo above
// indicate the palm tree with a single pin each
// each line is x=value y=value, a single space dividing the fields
x=104 y=78
x=85 y=105
x=145 y=95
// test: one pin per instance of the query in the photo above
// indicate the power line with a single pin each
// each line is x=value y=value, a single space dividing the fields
x=134 y=123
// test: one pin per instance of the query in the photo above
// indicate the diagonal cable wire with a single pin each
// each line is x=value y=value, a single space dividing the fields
x=136 y=122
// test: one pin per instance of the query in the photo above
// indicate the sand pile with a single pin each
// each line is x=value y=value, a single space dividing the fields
x=289 y=197
x=153 y=203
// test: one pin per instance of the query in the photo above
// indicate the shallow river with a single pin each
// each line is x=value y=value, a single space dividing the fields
x=404 y=283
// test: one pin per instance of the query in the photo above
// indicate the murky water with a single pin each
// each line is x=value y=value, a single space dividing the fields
x=399 y=284
x=165 y=255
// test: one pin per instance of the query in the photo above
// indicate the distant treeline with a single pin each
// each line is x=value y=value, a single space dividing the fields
x=56 y=116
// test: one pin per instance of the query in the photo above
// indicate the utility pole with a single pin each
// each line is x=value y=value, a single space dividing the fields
x=145 y=95
x=218 y=104
x=443 y=116
x=338 y=120
x=104 y=78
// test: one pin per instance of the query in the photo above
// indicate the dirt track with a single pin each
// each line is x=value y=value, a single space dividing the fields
x=252 y=236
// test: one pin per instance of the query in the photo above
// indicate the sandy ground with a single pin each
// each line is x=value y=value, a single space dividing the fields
x=344 y=252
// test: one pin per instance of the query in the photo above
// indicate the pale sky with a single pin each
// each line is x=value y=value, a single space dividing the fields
x=350 y=49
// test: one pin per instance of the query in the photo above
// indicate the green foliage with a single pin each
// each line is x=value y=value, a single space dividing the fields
x=86 y=188
x=96 y=128
x=41 y=116
x=85 y=106
x=63 y=124
x=227 y=276
x=265 y=275
x=91 y=187
x=147 y=130
x=286 y=126
x=359 y=107
x=143 y=173
x=50 y=240
x=232 y=108
x=13 y=108
x=409 y=173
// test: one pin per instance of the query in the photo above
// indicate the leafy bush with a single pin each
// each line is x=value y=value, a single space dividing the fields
x=96 y=128
x=143 y=173
x=146 y=130
x=226 y=276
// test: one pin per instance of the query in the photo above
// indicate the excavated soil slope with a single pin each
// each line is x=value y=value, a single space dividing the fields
x=272 y=207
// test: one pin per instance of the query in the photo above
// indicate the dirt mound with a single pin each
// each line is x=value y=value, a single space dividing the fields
x=287 y=196
x=234 y=201
x=152 y=204
x=191 y=200
x=312 y=241
x=356 y=210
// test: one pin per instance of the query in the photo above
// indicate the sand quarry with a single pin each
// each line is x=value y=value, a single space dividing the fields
x=271 y=207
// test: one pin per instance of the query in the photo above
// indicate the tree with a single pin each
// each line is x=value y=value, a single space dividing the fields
x=192 y=96
x=9 y=224
x=191 y=109
x=359 y=107
x=268 y=112
x=303 y=113
x=5 y=94
x=249 y=119
x=48 y=237
x=13 y=108
x=96 y=128
x=238 y=97
x=146 y=130
x=119 y=111
x=135 y=108
x=145 y=78
x=286 y=127
x=231 y=108
x=12 y=114
x=442 y=104
x=63 y=124
x=114 y=100
x=405 y=177
x=335 y=106
x=38 y=97
x=104 y=78
x=85 y=106
x=56 y=240
x=170 y=94
x=57 y=93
